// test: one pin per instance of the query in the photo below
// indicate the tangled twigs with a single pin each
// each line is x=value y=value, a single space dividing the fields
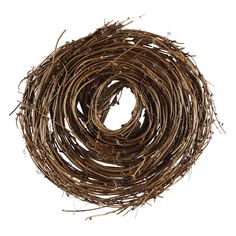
x=68 y=96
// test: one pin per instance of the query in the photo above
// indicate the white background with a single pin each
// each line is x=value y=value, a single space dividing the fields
x=203 y=203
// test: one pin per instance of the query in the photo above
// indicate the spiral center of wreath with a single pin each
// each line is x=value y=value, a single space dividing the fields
x=120 y=112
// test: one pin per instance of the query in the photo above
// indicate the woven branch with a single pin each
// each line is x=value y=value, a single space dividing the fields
x=68 y=96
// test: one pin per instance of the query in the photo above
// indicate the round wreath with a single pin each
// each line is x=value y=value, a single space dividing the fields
x=68 y=96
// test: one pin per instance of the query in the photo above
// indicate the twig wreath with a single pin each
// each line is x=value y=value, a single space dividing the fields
x=68 y=96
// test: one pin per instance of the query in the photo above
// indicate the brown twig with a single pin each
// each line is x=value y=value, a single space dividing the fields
x=72 y=146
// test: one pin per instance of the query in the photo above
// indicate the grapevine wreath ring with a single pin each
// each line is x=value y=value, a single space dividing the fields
x=68 y=96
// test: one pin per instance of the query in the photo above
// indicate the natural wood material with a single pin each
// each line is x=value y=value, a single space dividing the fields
x=68 y=96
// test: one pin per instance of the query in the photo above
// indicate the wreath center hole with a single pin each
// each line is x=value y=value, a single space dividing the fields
x=120 y=113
